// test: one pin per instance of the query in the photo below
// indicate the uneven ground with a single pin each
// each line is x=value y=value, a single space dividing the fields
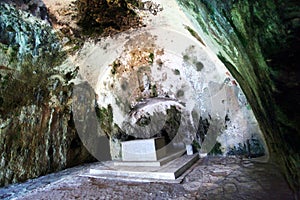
x=209 y=178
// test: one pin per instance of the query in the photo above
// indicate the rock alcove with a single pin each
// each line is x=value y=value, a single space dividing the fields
x=224 y=65
x=156 y=86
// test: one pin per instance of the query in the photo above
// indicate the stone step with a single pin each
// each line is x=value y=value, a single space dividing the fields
x=169 y=171
x=169 y=157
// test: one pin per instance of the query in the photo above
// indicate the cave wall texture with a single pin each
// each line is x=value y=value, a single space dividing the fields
x=37 y=134
x=258 y=41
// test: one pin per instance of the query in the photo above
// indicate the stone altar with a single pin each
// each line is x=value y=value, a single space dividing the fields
x=143 y=149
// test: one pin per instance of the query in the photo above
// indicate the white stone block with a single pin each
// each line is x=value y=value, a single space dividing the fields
x=189 y=149
x=143 y=150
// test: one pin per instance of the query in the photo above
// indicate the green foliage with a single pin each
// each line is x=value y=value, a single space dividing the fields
x=216 y=150
x=196 y=145
x=105 y=116
x=194 y=34
x=151 y=57
x=153 y=91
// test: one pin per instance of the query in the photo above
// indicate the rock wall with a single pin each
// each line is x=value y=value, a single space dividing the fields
x=37 y=130
x=140 y=75
x=258 y=42
x=37 y=134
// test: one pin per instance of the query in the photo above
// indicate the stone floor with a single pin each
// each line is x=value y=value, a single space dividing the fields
x=209 y=178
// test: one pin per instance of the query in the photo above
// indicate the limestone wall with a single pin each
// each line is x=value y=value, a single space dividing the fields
x=257 y=41
x=37 y=135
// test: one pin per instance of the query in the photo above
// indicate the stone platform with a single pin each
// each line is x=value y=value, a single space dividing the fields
x=166 y=173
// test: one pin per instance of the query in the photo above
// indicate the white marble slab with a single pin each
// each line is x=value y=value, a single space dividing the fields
x=169 y=157
x=143 y=150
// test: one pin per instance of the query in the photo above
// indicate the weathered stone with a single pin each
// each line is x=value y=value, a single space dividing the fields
x=257 y=41
x=192 y=186
x=69 y=184
x=37 y=135
x=230 y=188
x=144 y=96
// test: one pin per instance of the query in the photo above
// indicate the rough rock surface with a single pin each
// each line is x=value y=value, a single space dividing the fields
x=37 y=135
x=210 y=178
x=259 y=43
x=255 y=40
x=139 y=75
